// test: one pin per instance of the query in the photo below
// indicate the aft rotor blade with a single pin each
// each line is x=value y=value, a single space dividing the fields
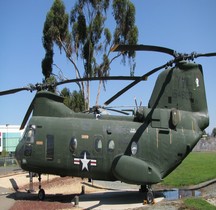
x=143 y=77
x=206 y=54
x=153 y=48
x=12 y=91
x=29 y=111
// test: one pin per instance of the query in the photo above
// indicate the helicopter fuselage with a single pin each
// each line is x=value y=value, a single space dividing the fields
x=140 y=149
x=107 y=147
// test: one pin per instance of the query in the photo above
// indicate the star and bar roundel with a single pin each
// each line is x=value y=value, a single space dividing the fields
x=84 y=161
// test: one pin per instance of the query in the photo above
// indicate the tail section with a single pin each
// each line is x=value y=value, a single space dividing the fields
x=181 y=88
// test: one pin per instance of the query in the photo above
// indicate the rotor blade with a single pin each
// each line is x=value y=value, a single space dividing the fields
x=39 y=86
x=206 y=54
x=141 y=47
x=119 y=111
x=143 y=77
x=15 y=90
x=27 y=114
x=98 y=79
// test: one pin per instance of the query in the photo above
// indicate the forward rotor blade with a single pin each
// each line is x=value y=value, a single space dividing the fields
x=45 y=86
x=143 y=77
x=117 y=48
x=29 y=111
x=15 y=90
x=97 y=79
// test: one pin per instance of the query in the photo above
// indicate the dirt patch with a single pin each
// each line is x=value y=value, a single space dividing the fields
x=60 y=193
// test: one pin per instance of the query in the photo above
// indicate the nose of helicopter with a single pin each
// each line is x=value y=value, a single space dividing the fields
x=18 y=153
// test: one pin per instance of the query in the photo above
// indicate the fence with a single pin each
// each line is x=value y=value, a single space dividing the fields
x=7 y=161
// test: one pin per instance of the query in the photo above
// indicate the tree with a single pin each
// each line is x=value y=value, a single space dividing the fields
x=74 y=101
x=89 y=40
x=55 y=31
x=213 y=132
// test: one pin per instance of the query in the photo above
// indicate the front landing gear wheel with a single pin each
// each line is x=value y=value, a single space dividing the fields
x=41 y=194
x=150 y=197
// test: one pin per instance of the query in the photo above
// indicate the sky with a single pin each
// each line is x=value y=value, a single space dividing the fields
x=185 y=26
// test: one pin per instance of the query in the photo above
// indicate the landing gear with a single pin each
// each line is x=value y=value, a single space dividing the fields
x=31 y=189
x=148 y=193
x=41 y=193
x=150 y=197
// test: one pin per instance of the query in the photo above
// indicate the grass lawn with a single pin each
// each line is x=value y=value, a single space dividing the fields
x=198 y=167
x=198 y=204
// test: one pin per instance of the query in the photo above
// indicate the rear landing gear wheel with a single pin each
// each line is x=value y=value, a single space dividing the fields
x=41 y=194
x=150 y=197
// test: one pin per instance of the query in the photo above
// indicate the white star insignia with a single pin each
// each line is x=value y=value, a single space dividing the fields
x=85 y=162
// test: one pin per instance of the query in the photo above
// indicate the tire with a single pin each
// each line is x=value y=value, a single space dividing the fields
x=150 y=197
x=41 y=194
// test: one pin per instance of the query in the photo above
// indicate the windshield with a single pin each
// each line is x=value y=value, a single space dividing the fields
x=29 y=134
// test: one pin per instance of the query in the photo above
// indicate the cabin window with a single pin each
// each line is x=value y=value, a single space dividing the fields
x=98 y=145
x=111 y=145
x=134 y=148
x=50 y=147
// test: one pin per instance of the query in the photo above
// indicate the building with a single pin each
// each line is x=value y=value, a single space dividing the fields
x=9 y=137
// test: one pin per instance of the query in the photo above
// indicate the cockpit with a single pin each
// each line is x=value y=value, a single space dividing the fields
x=24 y=148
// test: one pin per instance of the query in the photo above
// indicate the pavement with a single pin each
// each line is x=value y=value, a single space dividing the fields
x=7 y=186
x=4 y=171
x=5 y=203
x=114 y=199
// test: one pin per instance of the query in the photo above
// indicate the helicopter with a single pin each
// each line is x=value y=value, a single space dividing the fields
x=141 y=149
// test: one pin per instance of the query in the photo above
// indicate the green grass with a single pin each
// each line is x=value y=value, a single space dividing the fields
x=198 y=204
x=198 y=167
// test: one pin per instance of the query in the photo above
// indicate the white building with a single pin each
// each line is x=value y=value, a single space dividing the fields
x=9 y=137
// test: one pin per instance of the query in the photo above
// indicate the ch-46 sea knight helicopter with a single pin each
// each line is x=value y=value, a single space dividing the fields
x=141 y=149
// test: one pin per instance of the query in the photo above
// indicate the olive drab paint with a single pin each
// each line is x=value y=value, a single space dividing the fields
x=140 y=149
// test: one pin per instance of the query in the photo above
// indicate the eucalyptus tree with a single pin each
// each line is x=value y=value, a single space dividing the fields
x=84 y=36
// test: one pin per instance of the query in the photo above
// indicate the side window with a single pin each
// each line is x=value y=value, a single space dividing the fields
x=50 y=147
x=98 y=144
x=111 y=145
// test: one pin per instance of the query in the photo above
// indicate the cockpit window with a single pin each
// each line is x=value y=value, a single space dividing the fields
x=29 y=135
x=29 y=140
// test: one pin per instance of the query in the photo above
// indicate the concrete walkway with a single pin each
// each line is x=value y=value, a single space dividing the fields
x=115 y=199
